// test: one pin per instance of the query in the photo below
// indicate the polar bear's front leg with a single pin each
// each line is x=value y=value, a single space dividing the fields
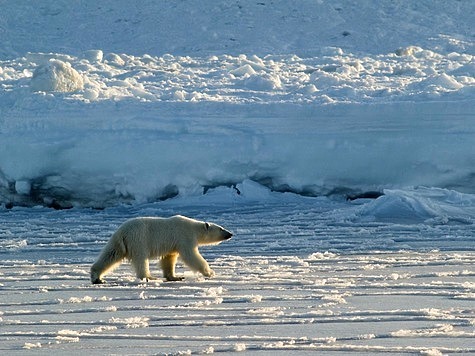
x=196 y=262
x=168 y=266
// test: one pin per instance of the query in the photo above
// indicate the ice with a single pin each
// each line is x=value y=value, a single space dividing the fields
x=257 y=302
x=139 y=118
x=140 y=128
x=430 y=205
x=334 y=139
x=56 y=76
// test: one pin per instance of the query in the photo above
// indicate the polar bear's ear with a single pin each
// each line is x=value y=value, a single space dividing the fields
x=206 y=226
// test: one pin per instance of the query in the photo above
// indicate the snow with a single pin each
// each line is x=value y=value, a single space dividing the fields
x=300 y=274
x=122 y=140
x=56 y=76
x=335 y=139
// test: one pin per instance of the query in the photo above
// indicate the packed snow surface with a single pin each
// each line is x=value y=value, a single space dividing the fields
x=300 y=275
x=275 y=119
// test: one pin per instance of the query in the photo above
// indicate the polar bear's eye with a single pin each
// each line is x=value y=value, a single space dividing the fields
x=206 y=225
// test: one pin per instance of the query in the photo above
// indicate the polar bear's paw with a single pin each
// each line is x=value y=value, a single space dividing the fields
x=98 y=281
x=209 y=273
x=150 y=278
x=174 y=279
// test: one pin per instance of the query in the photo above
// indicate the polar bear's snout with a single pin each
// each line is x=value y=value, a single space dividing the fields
x=221 y=232
x=227 y=235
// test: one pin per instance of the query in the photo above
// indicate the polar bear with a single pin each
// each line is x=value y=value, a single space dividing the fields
x=140 y=239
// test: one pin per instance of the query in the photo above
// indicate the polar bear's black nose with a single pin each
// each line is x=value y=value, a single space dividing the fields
x=227 y=235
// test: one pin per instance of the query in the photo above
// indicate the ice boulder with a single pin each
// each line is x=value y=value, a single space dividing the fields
x=56 y=76
x=244 y=70
x=262 y=82
x=445 y=82
x=94 y=55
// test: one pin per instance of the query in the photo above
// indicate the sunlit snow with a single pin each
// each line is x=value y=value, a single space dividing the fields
x=335 y=139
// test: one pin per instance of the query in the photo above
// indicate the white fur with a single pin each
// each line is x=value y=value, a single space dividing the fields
x=143 y=238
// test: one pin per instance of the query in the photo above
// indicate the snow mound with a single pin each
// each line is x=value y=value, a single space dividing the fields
x=56 y=76
x=264 y=82
x=432 y=205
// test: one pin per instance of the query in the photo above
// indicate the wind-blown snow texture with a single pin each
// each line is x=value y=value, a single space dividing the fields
x=300 y=274
x=263 y=116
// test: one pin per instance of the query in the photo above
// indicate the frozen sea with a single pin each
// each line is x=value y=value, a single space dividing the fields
x=301 y=275
x=335 y=140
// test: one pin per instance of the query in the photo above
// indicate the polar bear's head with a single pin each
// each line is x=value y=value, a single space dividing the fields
x=213 y=234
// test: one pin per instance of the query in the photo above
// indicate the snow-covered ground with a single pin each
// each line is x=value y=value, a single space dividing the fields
x=262 y=116
x=300 y=275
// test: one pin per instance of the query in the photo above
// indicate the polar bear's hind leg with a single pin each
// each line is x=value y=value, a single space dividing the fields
x=141 y=267
x=168 y=266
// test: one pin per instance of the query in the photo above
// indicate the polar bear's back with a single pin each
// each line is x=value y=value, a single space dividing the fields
x=158 y=236
x=163 y=226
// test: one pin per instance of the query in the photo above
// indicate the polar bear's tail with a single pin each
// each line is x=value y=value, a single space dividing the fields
x=111 y=256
